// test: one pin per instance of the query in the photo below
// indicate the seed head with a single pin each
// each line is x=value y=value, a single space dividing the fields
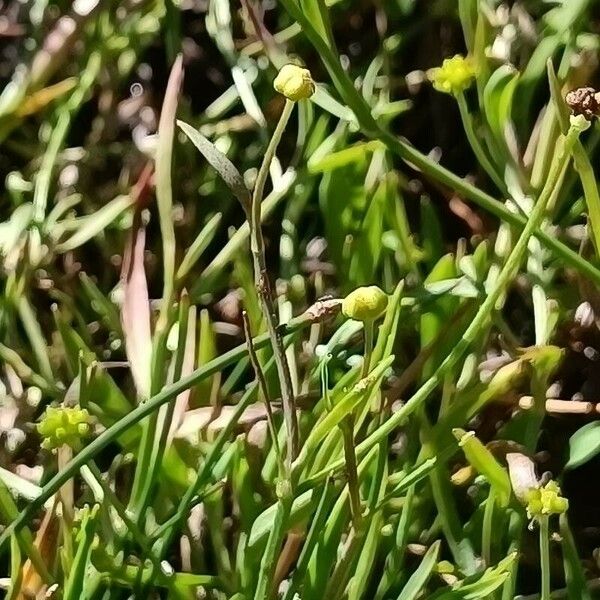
x=64 y=426
x=584 y=101
x=294 y=82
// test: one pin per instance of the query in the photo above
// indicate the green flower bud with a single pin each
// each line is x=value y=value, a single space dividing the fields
x=506 y=378
x=294 y=82
x=454 y=76
x=365 y=303
x=64 y=425
x=481 y=459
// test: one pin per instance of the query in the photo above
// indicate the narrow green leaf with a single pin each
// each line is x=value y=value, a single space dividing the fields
x=199 y=245
x=224 y=167
x=497 y=99
x=574 y=574
x=164 y=192
x=419 y=578
x=361 y=392
x=485 y=463
x=316 y=11
x=76 y=579
x=95 y=224
x=302 y=507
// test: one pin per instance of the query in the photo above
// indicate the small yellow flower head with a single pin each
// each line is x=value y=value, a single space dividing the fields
x=294 y=82
x=365 y=303
x=64 y=425
x=454 y=76
x=546 y=501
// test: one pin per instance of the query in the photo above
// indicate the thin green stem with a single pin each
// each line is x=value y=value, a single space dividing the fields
x=482 y=317
x=143 y=410
x=369 y=329
x=269 y=558
x=263 y=287
x=36 y=337
x=137 y=534
x=545 y=557
x=262 y=383
x=347 y=427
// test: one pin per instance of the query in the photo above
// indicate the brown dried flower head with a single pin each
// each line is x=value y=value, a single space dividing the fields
x=584 y=101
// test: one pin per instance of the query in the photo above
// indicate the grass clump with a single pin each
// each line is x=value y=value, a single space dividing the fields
x=299 y=332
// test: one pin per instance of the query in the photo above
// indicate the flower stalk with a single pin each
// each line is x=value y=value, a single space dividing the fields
x=265 y=293
x=545 y=557
x=262 y=384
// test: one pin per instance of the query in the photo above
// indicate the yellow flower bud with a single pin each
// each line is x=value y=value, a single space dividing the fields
x=454 y=76
x=294 y=82
x=365 y=303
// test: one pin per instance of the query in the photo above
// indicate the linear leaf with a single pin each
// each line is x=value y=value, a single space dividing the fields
x=216 y=159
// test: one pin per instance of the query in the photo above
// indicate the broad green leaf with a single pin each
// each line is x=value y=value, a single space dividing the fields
x=432 y=237
x=343 y=202
x=584 y=444
x=16 y=570
x=341 y=158
x=440 y=280
x=479 y=586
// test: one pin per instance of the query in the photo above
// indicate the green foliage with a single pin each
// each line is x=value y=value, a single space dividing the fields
x=178 y=261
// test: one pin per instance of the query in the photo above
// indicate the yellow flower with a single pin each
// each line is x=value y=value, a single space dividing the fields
x=365 y=303
x=64 y=426
x=546 y=501
x=454 y=76
x=294 y=82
